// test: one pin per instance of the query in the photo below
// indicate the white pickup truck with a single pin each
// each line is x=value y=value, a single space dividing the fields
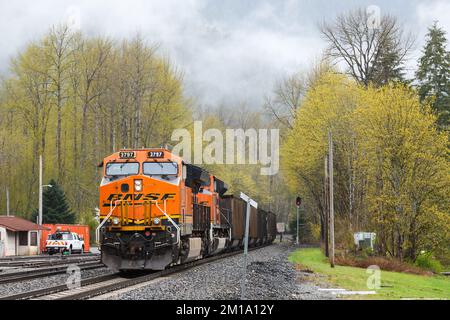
x=64 y=242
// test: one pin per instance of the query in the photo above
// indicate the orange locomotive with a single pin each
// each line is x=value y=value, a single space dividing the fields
x=157 y=210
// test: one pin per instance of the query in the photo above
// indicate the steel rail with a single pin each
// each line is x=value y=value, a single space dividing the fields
x=121 y=283
x=51 y=290
x=45 y=256
x=44 y=272
x=44 y=263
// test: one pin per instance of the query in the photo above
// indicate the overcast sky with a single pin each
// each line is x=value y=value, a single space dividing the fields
x=231 y=51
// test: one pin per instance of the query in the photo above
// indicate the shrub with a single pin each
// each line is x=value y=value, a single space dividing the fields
x=384 y=263
x=427 y=261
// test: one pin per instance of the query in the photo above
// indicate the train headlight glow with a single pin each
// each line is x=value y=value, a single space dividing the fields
x=115 y=220
x=138 y=185
x=156 y=221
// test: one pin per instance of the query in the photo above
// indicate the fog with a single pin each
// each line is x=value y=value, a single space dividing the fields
x=231 y=52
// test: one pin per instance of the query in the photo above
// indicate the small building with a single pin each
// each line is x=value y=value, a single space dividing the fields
x=18 y=237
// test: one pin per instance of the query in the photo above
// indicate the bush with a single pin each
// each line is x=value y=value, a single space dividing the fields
x=384 y=263
x=427 y=261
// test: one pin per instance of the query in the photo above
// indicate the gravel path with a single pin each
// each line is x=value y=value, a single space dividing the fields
x=46 y=282
x=269 y=276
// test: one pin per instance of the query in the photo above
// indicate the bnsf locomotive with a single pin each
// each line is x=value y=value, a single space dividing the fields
x=156 y=210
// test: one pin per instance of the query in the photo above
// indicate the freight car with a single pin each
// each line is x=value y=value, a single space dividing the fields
x=157 y=210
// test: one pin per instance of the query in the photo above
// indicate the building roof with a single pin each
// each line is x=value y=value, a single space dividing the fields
x=18 y=224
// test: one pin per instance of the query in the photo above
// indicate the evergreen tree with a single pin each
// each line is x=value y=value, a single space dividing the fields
x=389 y=65
x=55 y=206
x=434 y=74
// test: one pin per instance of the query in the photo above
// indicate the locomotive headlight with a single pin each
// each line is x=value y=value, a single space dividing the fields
x=156 y=221
x=138 y=185
x=115 y=220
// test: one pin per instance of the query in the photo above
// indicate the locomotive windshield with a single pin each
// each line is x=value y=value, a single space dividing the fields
x=160 y=168
x=122 y=169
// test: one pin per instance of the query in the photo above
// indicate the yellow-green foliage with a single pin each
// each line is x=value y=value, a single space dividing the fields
x=391 y=170
x=75 y=99
x=406 y=157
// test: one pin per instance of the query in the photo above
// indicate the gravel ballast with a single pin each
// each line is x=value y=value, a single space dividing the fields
x=46 y=282
x=270 y=276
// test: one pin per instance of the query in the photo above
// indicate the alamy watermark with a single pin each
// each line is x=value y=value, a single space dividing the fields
x=374 y=279
x=72 y=18
x=239 y=146
x=74 y=279
x=373 y=17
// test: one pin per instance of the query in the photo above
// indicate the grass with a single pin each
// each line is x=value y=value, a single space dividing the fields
x=394 y=285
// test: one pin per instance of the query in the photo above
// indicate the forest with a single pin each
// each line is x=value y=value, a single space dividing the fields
x=75 y=98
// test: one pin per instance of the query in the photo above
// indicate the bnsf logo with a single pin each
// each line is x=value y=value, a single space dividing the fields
x=140 y=196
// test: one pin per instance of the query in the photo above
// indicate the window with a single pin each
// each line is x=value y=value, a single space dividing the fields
x=67 y=236
x=23 y=238
x=122 y=169
x=33 y=238
x=160 y=168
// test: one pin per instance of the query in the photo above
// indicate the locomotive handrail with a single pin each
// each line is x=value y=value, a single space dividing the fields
x=229 y=223
x=221 y=213
x=170 y=219
x=97 y=231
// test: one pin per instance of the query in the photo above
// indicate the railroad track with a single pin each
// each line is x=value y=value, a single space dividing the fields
x=45 y=272
x=57 y=289
x=43 y=256
x=99 y=285
x=36 y=263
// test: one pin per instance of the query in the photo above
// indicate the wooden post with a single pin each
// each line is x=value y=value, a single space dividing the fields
x=40 y=204
x=40 y=191
x=331 y=202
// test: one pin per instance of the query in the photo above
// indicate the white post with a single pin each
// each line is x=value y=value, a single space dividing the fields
x=331 y=204
x=7 y=201
x=250 y=202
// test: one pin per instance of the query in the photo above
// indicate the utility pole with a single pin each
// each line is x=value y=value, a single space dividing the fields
x=325 y=208
x=250 y=202
x=7 y=201
x=40 y=191
x=331 y=202
x=270 y=193
x=298 y=202
x=40 y=203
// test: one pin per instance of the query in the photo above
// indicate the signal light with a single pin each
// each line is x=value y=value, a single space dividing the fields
x=298 y=201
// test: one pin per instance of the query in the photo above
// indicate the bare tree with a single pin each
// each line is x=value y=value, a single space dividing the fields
x=287 y=97
x=372 y=52
x=92 y=57
x=58 y=45
x=289 y=93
